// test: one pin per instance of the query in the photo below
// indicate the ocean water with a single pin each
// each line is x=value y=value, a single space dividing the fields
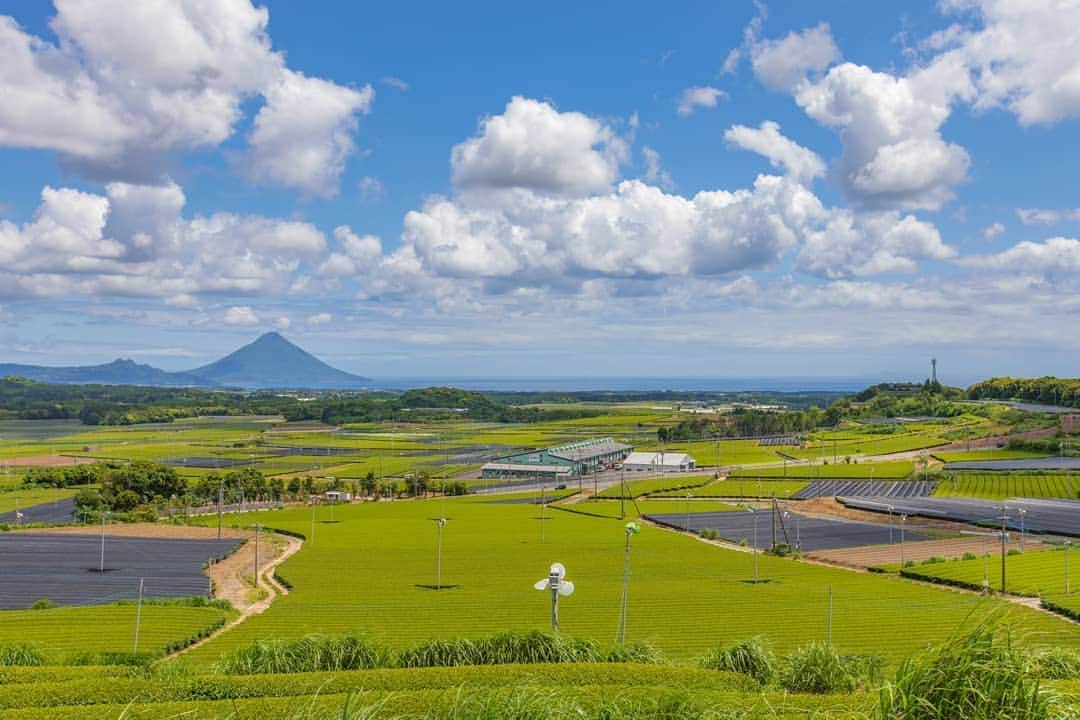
x=629 y=384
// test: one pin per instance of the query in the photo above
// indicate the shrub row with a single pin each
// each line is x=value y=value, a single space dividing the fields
x=614 y=702
x=355 y=652
x=1071 y=613
x=177 y=687
x=20 y=654
x=61 y=673
x=815 y=668
x=205 y=632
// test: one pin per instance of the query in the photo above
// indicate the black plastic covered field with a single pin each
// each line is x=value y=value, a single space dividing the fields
x=880 y=488
x=809 y=533
x=66 y=568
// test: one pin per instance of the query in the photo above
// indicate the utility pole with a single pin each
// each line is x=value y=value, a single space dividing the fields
x=255 y=576
x=903 y=522
x=622 y=492
x=542 y=518
x=101 y=566
x=220 y=502
x=1067 y=544
x=138 y=618
x=1004 y=544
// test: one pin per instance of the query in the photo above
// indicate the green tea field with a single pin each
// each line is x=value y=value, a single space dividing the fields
x=685 y=595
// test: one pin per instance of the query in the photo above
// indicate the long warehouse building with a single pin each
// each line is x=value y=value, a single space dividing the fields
x=560 y=461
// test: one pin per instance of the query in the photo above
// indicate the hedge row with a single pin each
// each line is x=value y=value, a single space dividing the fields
x=583 y=701
x=1071 y=613
x=63 y=673
x=105 y=690
x=178 y=645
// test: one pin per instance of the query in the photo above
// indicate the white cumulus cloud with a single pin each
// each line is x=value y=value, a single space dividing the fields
x=534 y=146
x=894 y=155
x=115 y=102
x=304 y=134
x=801 y=163
x=240 y=315
x=699 y=96
x=783 y=64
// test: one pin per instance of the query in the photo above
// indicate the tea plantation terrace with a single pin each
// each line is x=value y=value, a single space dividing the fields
x=1044 y=463
x=559 y=461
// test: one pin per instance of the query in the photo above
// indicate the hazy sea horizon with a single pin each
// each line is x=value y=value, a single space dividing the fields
x=629 y=384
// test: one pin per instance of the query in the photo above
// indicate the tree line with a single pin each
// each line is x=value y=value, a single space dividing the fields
x=1045 y=390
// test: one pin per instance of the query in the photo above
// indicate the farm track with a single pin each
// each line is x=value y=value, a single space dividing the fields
x=229 y=569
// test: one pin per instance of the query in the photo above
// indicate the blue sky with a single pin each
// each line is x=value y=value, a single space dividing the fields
x=692 y=189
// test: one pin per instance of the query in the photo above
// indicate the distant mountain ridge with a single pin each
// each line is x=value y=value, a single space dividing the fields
x=270 y=362
x=119 y=372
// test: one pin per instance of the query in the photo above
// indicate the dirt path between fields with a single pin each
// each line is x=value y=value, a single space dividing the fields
x=232 y=580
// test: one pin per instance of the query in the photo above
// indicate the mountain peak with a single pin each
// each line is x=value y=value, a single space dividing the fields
x=272 y=361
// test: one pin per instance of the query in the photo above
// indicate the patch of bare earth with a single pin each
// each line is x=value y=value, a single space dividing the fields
x=146 y=530
x=250 y=592
x=47 y=461
x=831 y=507
x=866 y=557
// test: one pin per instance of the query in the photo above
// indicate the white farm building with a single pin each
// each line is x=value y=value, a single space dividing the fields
x=667 y=461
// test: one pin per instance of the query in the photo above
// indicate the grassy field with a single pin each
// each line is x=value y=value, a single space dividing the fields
x=896 y=470
x=1033 y=573
x=745 y=487
x=645 y=506
x=67 y=631
x=1002 y=485
x=975 y=455
x=685 y=596
x=648 y=486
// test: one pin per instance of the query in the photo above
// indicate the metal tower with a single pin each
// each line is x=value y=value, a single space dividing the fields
x=933 y=370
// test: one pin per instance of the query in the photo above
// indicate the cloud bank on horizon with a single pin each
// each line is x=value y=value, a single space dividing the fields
x=833 y=244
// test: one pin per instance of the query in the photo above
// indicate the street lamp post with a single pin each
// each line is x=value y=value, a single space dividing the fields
x=890 y=525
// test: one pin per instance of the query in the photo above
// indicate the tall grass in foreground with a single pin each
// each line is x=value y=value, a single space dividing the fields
x=749 y=657
x=21 y=654
x=353 y=652
x=306 y=654
x=977 y=676
x=819 y=668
